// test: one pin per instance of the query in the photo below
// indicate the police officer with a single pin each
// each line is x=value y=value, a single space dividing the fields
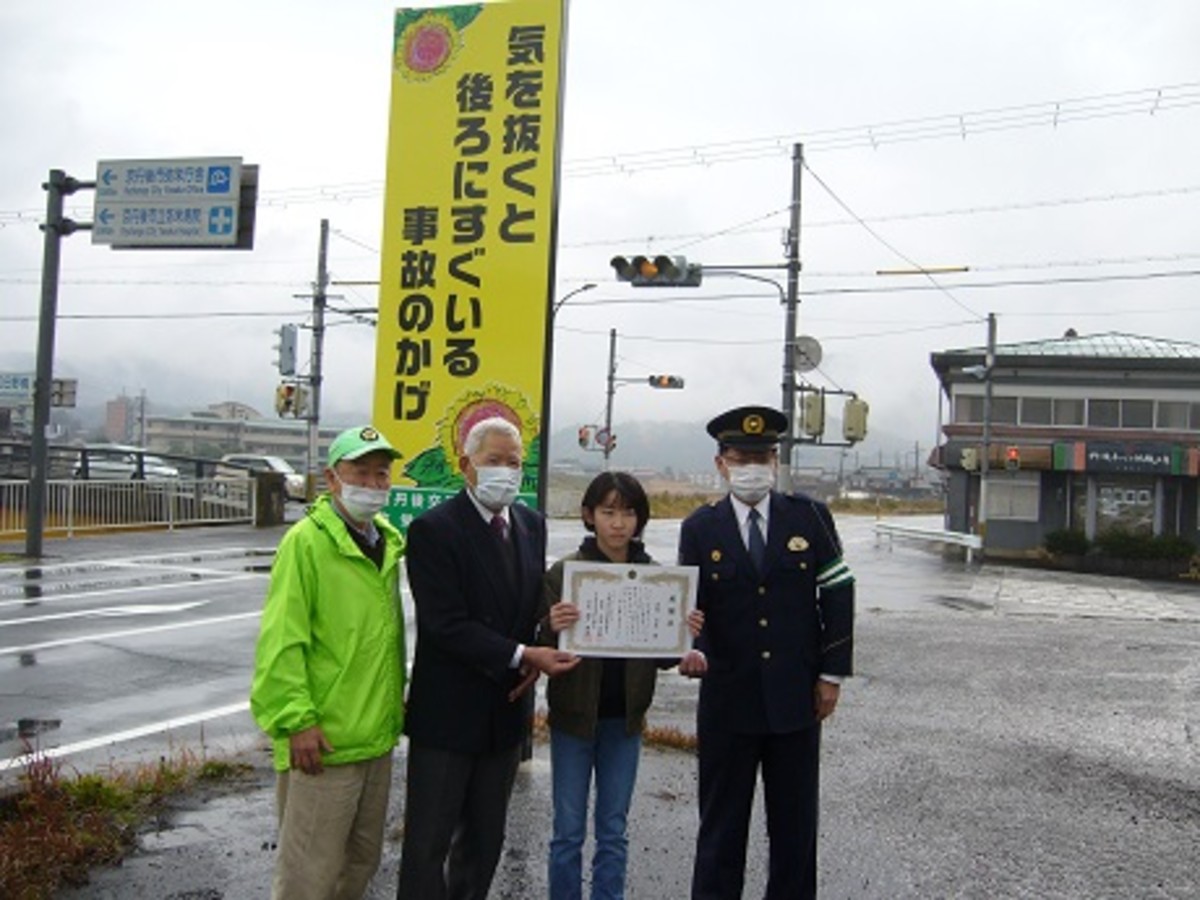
x=778 y=601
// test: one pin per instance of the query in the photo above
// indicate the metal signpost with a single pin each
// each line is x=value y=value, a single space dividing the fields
x=194 y=203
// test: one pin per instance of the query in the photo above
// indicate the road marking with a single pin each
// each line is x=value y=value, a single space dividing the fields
x=17 y=570
x=82 y=595
x=131 y=632
x=119 y=737
x=145 y=609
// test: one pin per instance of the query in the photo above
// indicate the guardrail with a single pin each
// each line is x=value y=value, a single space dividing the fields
x=892 y=530
x=74 y=507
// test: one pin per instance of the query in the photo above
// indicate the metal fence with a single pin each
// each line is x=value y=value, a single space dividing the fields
x=74 y=506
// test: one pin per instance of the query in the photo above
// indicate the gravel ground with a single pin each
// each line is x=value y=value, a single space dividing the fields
x=975 y=755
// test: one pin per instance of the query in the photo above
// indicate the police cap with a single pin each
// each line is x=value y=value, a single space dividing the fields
x=749 y=426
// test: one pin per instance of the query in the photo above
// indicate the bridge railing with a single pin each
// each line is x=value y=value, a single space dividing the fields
x=80 y=506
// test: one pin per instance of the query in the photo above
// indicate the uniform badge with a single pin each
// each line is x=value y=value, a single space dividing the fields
x=753 y=424
x=797 y=543
x=716 y=556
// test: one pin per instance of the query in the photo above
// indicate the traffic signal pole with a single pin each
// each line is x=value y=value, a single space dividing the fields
x=789 y=333
x=313 y=412
x=612 y=389
x=989 y=361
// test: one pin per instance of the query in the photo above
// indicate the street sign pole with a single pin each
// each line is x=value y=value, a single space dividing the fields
x=56 y=227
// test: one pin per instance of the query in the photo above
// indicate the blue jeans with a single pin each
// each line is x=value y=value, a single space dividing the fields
x=613 y=755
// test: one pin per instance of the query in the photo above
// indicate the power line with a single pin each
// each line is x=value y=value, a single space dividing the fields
x=1044 y=114
x=871 y=231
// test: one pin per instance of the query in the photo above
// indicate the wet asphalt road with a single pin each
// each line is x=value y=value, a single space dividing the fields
x=1010 y=733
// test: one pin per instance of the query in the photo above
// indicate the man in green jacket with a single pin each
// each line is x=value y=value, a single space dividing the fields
x=329 y=675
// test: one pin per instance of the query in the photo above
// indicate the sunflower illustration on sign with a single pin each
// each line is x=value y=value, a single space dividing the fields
x=426 y=40
x=437 y=466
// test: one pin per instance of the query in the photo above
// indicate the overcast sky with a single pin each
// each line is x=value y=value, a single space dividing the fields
x=931 y=136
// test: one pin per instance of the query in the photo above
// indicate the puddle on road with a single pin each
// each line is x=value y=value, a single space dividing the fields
x=962 y=604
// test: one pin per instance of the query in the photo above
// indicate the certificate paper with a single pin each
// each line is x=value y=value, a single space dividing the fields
x=628 y=610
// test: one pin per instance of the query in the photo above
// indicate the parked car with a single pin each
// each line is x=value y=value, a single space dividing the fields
x=117 y=462
x=240 y=465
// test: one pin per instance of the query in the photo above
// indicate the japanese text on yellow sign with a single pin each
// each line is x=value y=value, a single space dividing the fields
x=468 y=231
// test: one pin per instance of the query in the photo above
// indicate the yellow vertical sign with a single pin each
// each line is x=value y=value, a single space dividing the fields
x=468 y=235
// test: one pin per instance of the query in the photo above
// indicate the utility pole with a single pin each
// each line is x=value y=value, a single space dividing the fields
x=612 y=387
x=989 y=361
x=313 y=414
x=789 y=333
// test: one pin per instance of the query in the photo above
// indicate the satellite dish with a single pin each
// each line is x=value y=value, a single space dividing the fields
x=807 y=353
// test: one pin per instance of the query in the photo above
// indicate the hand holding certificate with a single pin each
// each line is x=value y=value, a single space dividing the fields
x=628 y=610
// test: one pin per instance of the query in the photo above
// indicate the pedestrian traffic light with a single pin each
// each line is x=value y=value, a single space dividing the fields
x=285 y=398
x=658 y=271
x=585 y=436
x=671 y=382
x=300 y=405
x=812 y=409
x=1012 y=458
x=854 y=419
x=287 y=349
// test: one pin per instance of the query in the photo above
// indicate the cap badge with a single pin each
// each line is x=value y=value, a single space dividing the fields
x=368 y=434
x=753 y=424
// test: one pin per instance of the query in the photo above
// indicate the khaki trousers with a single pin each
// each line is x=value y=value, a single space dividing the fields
x=330 y=830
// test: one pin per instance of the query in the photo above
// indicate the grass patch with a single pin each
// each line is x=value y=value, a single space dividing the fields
x=56 y=826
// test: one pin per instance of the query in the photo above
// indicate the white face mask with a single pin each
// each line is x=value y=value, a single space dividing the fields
x=751 y=482
x=362 y=503
x=496 y=486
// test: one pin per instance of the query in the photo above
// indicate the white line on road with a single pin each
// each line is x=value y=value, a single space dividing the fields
x=83 y=595
x=19 y=570
x=104 y=611
x=122 y=736
x=132 y=632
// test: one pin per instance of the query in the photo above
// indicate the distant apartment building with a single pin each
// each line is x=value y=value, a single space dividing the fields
x=121 y=419
x=232 y=427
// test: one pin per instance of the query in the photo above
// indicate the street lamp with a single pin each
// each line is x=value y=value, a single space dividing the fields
x=579 y=290
x=544 y=455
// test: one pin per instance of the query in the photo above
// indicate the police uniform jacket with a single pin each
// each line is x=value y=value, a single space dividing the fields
x=768 y=637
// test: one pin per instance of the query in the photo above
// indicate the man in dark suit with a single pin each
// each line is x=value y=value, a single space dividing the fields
x=475 y=566
x=778 y=604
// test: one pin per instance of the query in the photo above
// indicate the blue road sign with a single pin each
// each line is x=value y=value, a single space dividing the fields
x=188 y=202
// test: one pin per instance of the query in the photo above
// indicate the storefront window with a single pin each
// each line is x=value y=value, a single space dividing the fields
x=1014 y=496
x=1004 y=410
x=1068 y=412
x=1137 y=413
x=1126 y=504
x=1173 y=414
x=1104 y=413
x=968 y=409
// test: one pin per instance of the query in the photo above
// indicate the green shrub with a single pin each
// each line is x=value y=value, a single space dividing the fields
x=1067 y=541
x=1122 y=544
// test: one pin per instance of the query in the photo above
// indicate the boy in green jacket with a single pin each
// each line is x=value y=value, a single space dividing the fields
x=329 y=675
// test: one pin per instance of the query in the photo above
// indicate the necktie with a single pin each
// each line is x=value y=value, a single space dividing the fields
x=500 y=527
x=754 y=541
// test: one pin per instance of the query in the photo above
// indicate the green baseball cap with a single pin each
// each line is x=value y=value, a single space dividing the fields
x=355 y=442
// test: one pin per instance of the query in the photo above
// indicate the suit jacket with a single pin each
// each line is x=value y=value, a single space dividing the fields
x=470 y=619
x=768 y=637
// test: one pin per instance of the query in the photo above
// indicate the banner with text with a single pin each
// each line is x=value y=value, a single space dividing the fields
x=468 y=235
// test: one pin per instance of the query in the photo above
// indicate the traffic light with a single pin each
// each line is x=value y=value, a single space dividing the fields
x=854 y=419
x=300 y=406
x=285 y=399
x=812 y=408
x=671 y=382
x=585 y=436
x=658 y=271
x=287 y=349
x=1012 y=458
